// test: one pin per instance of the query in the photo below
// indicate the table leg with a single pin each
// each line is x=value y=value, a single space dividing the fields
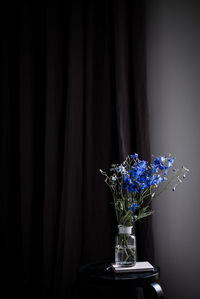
x=154 y=290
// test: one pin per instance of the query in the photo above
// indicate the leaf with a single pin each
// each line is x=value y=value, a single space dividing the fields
x=143 y=213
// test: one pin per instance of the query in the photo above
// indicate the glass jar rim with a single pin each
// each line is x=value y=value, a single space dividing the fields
x=125 y=226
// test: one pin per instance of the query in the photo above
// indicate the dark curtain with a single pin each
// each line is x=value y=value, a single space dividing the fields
x=73 y=100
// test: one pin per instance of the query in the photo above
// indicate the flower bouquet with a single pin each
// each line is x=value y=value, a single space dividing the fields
x=134 y=183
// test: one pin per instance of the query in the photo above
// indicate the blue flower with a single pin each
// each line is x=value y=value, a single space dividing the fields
x=159 y=162
x=129 y=185
x=157 y=180
x=154 y=168
x=162 y=163
x=170 y=164
x=143 y=175
x=138 y=169
x=134 y=156
x=171 y=161
x=134 y=206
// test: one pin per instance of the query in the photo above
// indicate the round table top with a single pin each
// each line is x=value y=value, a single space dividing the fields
x=103 y=272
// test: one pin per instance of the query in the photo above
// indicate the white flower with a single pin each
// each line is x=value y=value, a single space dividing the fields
x=122 y=169
x=113 y=178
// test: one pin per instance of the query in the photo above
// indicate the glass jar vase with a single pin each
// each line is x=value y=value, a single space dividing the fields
x=125 y=246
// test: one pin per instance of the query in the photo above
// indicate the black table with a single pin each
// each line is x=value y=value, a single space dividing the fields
x=102 y=274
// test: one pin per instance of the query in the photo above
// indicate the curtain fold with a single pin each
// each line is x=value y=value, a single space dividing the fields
x=73 y=100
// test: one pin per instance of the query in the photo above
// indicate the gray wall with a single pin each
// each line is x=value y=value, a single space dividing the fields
x=173 y=75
